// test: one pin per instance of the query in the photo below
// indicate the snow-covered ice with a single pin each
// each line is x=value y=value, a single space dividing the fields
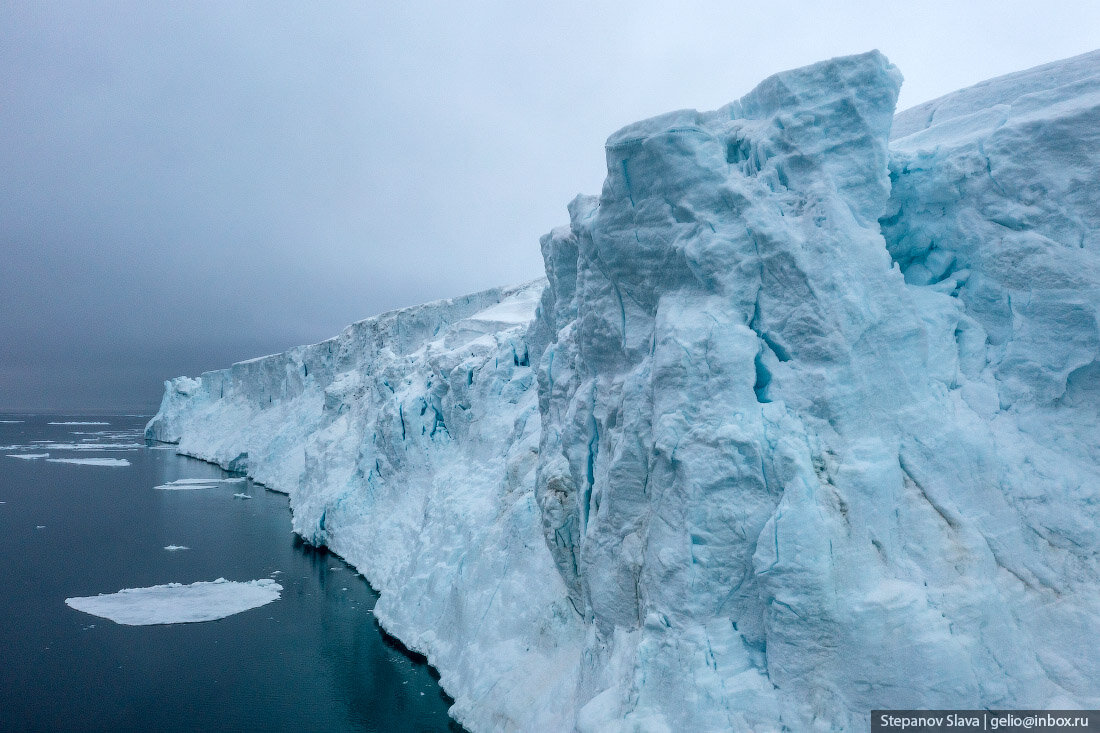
x=194 y=484
x=798 y=410
x=92 y=461
x=78 y=422
x=83 y=446
x=28 y=456
x=174 y=603
x=242 y=496
x=176 y=548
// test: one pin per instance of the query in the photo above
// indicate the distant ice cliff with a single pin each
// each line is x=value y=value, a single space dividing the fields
x=805 y=421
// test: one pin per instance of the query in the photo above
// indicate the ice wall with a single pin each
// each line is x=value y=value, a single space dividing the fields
x=408 y=446
x=806 y=423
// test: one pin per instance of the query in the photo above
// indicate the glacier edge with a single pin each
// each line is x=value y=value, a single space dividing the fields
x=803 y=421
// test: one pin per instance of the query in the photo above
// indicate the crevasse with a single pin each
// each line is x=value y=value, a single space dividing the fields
x=802 y=422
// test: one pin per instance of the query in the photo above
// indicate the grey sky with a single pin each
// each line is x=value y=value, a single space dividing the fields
x=188 y=184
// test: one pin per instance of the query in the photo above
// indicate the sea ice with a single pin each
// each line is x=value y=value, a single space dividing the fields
x=176 y=548
x=194 y=484
x=179 y=604
x=77 y=422
x=92 y=461
x=242 y=496
x=50 y=445
x=28 y=456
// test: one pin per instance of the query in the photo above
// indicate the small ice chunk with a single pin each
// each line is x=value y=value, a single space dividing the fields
x=28 y=456
x=10 y=422
x=175 y=603
x=39 y=526
x=176 y=548
x=92 y=461
x=242 y=496
x=78 y=422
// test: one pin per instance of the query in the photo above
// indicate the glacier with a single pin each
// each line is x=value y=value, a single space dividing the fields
x=803 y=421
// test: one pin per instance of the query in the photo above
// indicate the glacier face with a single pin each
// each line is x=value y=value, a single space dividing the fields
x=803 y=422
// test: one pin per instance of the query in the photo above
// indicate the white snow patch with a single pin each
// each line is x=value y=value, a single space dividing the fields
x=175 y=603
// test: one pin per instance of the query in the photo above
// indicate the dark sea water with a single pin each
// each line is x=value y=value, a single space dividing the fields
x=314 y=660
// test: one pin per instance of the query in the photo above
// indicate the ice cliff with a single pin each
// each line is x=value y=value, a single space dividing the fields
x=804 y=421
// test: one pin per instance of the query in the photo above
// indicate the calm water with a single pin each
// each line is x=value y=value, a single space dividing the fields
x=314 y=660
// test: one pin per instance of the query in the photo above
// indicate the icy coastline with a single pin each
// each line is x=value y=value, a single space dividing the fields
x=803 y=422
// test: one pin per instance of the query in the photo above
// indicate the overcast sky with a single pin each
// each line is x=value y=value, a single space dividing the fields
x=183 y=185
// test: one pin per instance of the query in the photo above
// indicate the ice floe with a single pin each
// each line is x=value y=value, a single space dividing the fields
x=92 y=461
x=193 y=484
x=78 y=422
x=28 y=456
x=176 y=548
x=175 y=603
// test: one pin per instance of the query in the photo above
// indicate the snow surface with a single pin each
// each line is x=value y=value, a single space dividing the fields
x=802 y=423
x=179 y=604
x=92 y=461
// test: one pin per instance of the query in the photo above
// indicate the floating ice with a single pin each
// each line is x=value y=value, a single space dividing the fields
x=50 y=445
x=194 y=484
x=10 y=422
x=78 y=422
x=179 y=604
x=176 y=548
x=92 y=461
x=242 y=496
x=28 y=456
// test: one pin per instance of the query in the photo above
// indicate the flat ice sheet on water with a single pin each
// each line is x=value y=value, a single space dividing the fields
x=175 y=603
x=92 y=461
x=28 y=456
x=193 y=484
x=78 y=422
